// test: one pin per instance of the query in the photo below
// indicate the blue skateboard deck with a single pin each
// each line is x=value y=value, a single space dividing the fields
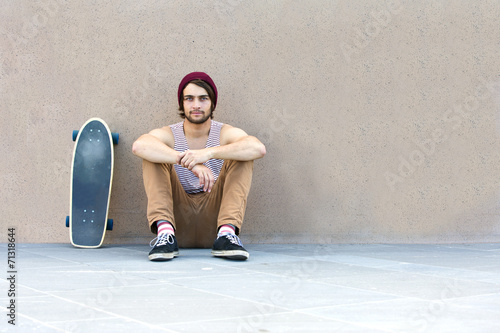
x=91 y=180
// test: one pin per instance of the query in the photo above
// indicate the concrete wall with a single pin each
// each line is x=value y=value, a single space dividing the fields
x=381 y=118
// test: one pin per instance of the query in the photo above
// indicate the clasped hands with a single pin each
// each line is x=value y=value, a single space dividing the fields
x=193 y=160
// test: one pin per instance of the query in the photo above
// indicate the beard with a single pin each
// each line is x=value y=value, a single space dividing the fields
x=201 y=120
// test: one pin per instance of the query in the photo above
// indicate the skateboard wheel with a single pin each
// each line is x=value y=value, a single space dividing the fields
x=115 y=137
x=67 y=221
x=75 y=134
x=109 y=226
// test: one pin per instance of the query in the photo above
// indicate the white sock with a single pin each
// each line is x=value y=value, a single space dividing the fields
x=165 y=227
x=226 y=229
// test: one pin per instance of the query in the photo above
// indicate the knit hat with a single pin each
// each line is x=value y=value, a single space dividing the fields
x=193 y=76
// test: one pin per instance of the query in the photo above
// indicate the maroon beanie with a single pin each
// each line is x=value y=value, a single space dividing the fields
x=193 y=76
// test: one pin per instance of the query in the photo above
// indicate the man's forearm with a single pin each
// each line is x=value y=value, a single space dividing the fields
x=150 y=148
x=247 y=149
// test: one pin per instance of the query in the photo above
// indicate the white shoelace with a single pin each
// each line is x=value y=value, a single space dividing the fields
x=234 y=239
x=163 y=239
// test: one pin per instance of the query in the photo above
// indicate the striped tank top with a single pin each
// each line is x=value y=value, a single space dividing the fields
x=189 y=181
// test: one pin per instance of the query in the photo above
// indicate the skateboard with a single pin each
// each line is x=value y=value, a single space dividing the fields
x=91 y=179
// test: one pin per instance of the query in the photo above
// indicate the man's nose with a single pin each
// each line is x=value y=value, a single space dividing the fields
x=197 y=103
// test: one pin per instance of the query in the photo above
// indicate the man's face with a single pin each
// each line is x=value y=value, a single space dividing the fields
x=197 y=104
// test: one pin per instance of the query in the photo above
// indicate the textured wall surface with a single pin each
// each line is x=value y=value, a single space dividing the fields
x=381 y=118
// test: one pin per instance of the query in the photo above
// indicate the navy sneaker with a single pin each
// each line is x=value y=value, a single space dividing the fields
x=164 y=248
x=230 y=247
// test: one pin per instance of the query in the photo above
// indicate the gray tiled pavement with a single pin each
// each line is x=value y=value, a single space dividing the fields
x=281 y=288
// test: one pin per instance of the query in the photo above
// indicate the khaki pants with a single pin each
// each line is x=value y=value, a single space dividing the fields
x=196 y=217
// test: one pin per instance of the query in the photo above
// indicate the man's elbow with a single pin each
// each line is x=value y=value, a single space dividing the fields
x=136 y=147
x=262 y=150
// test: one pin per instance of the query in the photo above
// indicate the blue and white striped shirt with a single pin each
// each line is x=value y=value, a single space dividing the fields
x=189 y=181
